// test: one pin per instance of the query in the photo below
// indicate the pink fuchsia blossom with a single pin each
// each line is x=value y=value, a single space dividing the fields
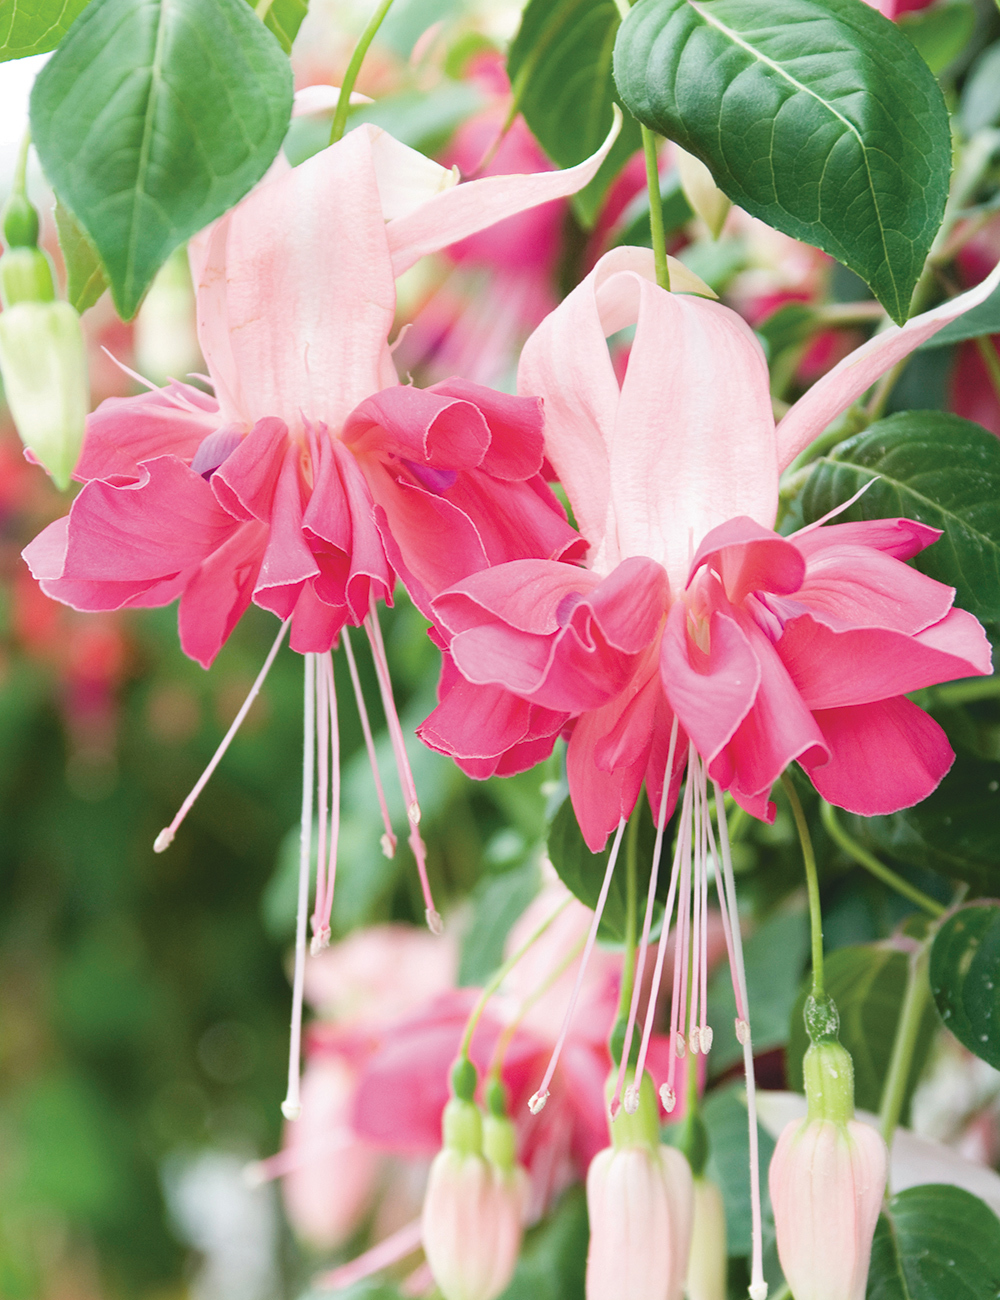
x=262 y=492
x=765 y=649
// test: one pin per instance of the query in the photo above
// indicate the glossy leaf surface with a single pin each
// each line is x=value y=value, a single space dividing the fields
x=818 y=117
x=152 y=119
x=965 y=978
x=34 y=26
x=935 y=1242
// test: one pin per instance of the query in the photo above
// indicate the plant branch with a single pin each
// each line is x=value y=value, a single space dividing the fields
x=812 y=886
x=878 y=869
x=353 y=68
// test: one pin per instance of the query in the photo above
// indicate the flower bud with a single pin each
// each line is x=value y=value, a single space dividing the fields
x=708 y=1261
x=166 y=343
x=474 y=1206
x=827 y=1180
x=44 y=372
x=701 y=191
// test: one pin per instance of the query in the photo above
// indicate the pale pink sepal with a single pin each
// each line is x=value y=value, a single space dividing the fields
x=845 y=383
x=827 y=1181
x=640 y=1204
x=465 y=209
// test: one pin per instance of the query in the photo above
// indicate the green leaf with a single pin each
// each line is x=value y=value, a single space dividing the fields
x=154 y=118
x=34 y=26
x=553 y=1259
x=282 y=17
x=984 y=319
x=981 y=93
x=956 y=830
x=965 y=978
x=941 y=33
x=725 y=1115
x=85 y=278
x=935 y=1242
x=560 y=69
x=867 y=984
x=634 y=224
x=937 y=469
x=817 y=116
x=497 y=902
x=774 y=956
x=583 y=872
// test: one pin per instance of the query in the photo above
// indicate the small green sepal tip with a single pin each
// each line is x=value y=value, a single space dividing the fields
x=20 y=222
x=694 y=1142
x=496 y=1098
x=464 y=1079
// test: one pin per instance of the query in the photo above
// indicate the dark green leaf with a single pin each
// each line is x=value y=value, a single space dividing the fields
x=935 y=1242
x=934 y=468
x=34 y=26
x=154 y=118
x=984 y=319
x=817 y=116
x=981 y=92
x=940 y=33
x=956 y=830
x=774 y=956
x=965 y=978
x=583 y=872
x=497 y=902
x=283 y=18
x=867 y=984
x=85 y=278
x=560 y=69
x=553 y=1258
x=725 y=1116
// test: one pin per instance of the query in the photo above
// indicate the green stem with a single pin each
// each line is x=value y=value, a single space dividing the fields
x=812 y=885
x=19 y=185
x=491 y=987
x=908 y=1027
x=631 y=907
x=655 y=210
x=353 y=68
x=883 y=391
x=878 y=869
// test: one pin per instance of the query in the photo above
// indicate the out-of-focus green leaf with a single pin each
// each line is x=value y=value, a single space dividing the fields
x=553 y=1258
x=965 y=978
x=940 y=33
x=85 y=278
x=282 y=17
x=497 y=902
x=407 y=21
x=981 y=93
x=725 y=1116
x=984 y=319
x=867 y=984
x=937 y=469
x=34 y=26
x=935 y=1242
x=200 y=96
x=774 y=956
x=634 y=226
x=818 y=116
x=560 y=70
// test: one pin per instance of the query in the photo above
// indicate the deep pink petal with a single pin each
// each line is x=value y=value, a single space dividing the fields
x=516 y=426
x=460 y=211
x=526 y=594
x=846 y=382
x=883 y=757
x=315 y=624
x=244 y=484
x=778 y=728
x=628 y=606
x=370 y=570
x=900 y=538
x=219 y=591
x=833 y=669
x=600 y=799
x=288 y=562
x=419 y=424
x=750 y=558
x=145 y=531
x=515 y=520
x=855 y=585
x=124 y=431
x=710 y=693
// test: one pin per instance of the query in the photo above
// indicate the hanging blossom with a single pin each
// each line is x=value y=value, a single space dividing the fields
x=696 y=638
x=312 y=476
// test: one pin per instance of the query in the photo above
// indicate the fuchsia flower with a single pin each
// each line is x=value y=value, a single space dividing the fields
x=765 y=649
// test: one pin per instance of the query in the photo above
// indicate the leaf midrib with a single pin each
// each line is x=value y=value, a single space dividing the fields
x=155 y=81
x=792 y=81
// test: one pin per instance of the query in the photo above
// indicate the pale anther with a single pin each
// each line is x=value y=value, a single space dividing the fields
x=537 y=1102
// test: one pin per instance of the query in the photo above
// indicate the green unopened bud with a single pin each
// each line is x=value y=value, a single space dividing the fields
x=20 y=222
x=25 y=276
x=822 y=1019
x=500 y=1142
x=694 y=1141
x=701 y=191
x=462 y=1127
x=44 y=372
x=464 y=1079
x=829 y=1079
x=638 y=1121
x=166 y=342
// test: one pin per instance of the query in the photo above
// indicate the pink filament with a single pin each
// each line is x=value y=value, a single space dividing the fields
x=291 y=1107
x=389 y=838
x=387 y=1252
x=541 y=1096
x=326 y=872
x=323 y=791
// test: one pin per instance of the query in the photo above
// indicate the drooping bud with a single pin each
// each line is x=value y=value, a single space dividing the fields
x=166 y=341
x=707 y=1263
x=639 y=1199
x=42 y=358
x=701 y=191
x=475 y=1201
x=827 y=1180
